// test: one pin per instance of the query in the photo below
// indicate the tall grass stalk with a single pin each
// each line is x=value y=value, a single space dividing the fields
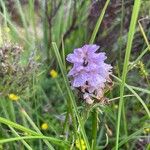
x=36 y=129
x=17 y=126
x=34 y=135
x=120 y=65
x=12 y=129
x=140 y=89
x=131 y=88
x=145 y=50
x=99 y=21
x=94 y=128
x=51 y=139
x=71 y=100
x=4 y=12
x=121 y=30
x=23 y=141
x=95 y=111
x=45 y=30
x=126 y=62
x=147 y=43
x=138 y=58
x=144 y=35
x=132 y=136
x=23 y=19
x=14 y=29
x=32 y=16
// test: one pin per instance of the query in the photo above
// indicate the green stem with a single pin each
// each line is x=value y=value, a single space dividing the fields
x=126 y=62
x=95 y=113
x=11 y=110
x=17 y=126
x=65 y=122
x=138 y=58
x=71 y=101
x=36 y=128
x=99 y=21
x=121 y=33
x=125 y=122
x=56 y=141
x=23 y=19
x=131 y=136
x=24 y=142
x=131 y=88
x=94 y=128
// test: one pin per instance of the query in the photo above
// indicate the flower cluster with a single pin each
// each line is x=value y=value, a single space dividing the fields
x=14 y=71
x=89 y=72
x=9 y=58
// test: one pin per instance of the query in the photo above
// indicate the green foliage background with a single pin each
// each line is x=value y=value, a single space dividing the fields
x=46 y=31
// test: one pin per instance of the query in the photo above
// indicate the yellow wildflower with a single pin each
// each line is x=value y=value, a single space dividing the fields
x=53 y=73
x=80 y=144
x=146 y=130
x=13 y=97
x=7 y=29
x=44 y=126
x=116 y=106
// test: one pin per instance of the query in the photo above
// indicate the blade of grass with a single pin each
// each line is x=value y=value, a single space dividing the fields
x=36 y=128
x=12 y=129
x=94 y=128
x=135 y=88
x=17 y=126
x=12 y=111
x=95 y=112
x=140 y=89
x=33 y=111
x=4 y=12
x=138 y=58
x=63 y=53
x=24 y=142
x=70 y=94
x=126 y=62
x=70 y=99
x=99 y=22
x=15 y=30
x=32 y=16
x=146 y=41
x=143 y=33
x=136 y=95
x=120 y=65
x=120 y=42
x=24 y=22
x=54 y=140
x=130 y=137
x=116 y=98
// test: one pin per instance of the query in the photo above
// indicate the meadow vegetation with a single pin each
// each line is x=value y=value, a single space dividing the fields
x=40 y=110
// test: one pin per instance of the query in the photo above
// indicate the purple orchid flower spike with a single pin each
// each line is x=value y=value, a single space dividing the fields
x=89 y=72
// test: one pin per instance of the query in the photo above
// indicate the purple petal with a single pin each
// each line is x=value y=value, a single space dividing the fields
x=73 y=58
x=96 y=72
x=96 y=79
x=91 y=48
x=80 y=80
